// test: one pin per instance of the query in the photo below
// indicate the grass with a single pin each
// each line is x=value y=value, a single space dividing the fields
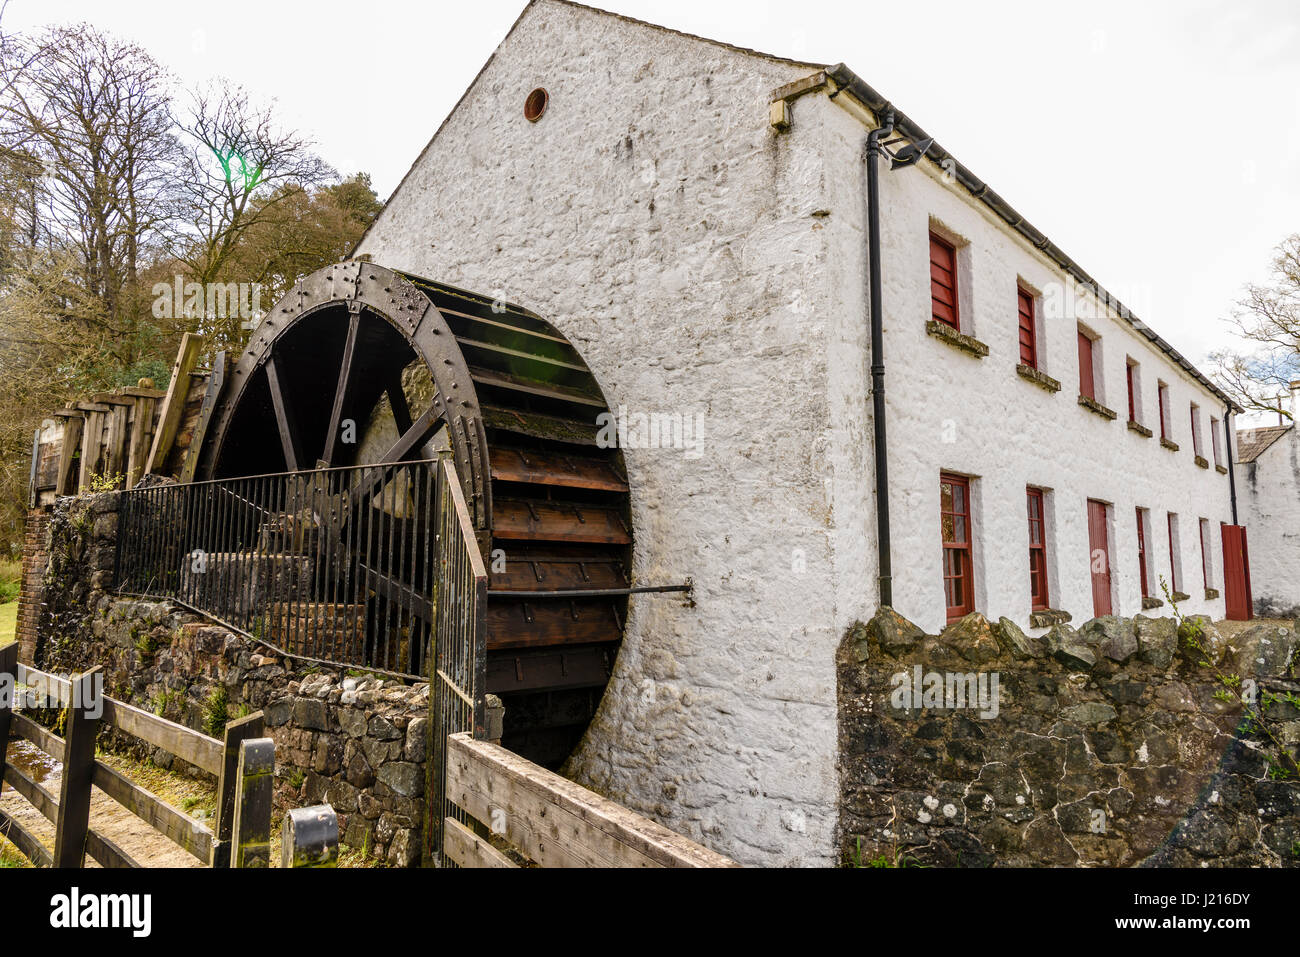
x=9 y=856
x=11 y=573
x=192 y=796
x=8 y=622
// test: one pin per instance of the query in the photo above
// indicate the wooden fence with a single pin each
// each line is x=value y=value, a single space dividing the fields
x=548 y=820
x=243 y=764
x=113 y=439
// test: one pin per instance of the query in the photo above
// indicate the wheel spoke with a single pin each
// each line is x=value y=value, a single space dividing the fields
x=399 y=450
x=284 y=418
x=397 y=402
x=341 y=390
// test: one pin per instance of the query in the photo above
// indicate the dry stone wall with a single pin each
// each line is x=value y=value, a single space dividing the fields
x=1124 y=742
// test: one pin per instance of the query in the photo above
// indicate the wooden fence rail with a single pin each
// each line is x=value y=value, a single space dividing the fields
x=241 y=792
x=548 y=819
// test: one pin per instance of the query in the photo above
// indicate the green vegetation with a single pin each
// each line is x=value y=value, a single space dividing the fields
x=9 y=856
x=217 y=712
x=8 y=622
x=11 y=574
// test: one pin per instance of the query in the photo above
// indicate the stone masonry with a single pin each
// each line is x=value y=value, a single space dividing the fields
x=1120 y=743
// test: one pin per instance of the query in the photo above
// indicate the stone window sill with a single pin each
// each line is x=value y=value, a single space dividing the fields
x=1201 y=463
x=1171 y=446
x=1038 y=378
x=1149 y=603
x=1048 y=617
x=1092 y=405
x=1140 y=429
x=1221 y=469
x=958 y=340
x=1182 y=596
x=1211 y=594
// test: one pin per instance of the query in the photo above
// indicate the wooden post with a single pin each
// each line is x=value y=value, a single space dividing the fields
x=252 y=828
x=72 y=423
x=309 y=837
x=78 y=767
x=173 y=407
x=237 y=732
x=92 y=442
x=8 y=694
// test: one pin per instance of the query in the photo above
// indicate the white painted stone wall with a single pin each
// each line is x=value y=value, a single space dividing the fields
x=949 y=411
x=703 y=263
x=1268 y=494
x=657 y=221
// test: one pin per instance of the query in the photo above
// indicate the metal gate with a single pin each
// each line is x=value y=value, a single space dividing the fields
x=457 y=674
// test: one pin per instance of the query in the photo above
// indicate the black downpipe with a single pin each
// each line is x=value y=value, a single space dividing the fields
x=875 y=150
x=1232 y=472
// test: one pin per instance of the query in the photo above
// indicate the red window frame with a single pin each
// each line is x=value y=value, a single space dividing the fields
x=1028 y=330
x=1132 y=400
x=943 y=282
x=1162 y=392
x=1173 y=563
x=1038 y=592
x=1087 y=381
x=1142 y=556
x=1196 y=432
x=958 y=545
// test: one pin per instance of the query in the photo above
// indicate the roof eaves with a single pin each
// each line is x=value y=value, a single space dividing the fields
x=862 y=91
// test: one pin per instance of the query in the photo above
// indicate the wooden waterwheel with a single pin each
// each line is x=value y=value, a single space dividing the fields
x=412 y=366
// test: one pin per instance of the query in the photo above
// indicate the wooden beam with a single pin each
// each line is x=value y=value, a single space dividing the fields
x=251 y=843
x=25 y=841
x=31 y=479
x=216 y=381
x=78 y=764
x=141 y=438
x=92 y=443
x=184 y=831
x=284 y=418
x=107 y=854
x=73 y=425
x=468 y=849
x=8 y=689
x=556 y=822
x=237 y=732
x=27 y=729
x=173 y=407
x=37 y=796
x=186 y=743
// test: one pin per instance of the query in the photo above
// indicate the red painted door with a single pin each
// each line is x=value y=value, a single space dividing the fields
x=1099 y=558
x=1236 y=574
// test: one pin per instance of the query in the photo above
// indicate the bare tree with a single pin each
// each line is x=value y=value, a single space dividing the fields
x=1267 y=319
x=95 y=113
x=241 y=166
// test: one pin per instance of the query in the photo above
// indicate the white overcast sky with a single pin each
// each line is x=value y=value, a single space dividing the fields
x=1157 y=143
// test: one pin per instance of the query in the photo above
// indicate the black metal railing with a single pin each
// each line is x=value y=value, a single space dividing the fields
x=338 y=565
x=457 y=683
